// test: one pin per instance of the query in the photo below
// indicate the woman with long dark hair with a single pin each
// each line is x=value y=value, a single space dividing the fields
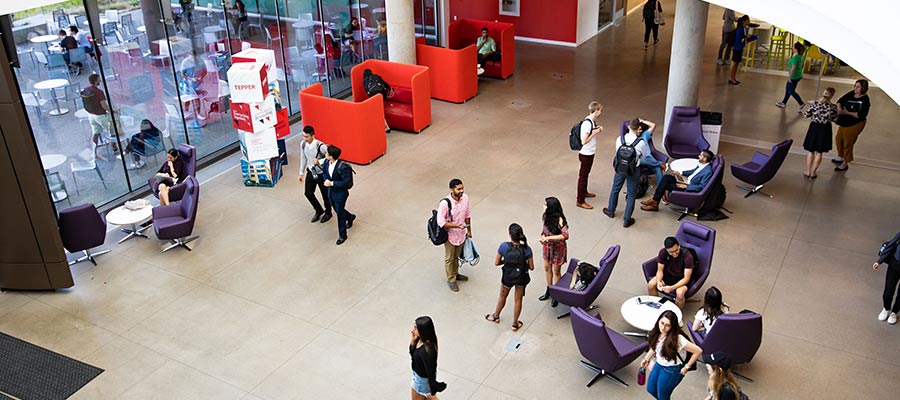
x=667 y=345
x=553 y=238
x=423 y=349
x=517 y=259
x=168 y=175
x=651 y=7
x=712 y=308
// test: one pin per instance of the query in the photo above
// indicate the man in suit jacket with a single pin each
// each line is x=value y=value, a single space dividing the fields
x=695 y=180
x=338 y=179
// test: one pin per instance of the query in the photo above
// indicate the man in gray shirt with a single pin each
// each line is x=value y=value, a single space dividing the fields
x=728 y=26
x=312 y=157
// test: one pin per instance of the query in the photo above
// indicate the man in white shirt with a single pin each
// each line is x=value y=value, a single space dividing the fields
x=312 y=157
x=589 y=131
x=628 y=169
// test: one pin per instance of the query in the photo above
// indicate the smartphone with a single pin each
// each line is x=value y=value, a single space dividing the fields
x=663 y=300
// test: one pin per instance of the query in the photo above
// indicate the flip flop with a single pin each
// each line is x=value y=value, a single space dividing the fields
x=517 y=325
x=491 y=318
x=808 y=176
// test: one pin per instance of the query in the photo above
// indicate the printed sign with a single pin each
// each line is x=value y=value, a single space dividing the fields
x=254 y=117
x=248 y=82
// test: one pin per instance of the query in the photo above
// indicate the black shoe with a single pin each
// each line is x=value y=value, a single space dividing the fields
x=350 y=222
x=836 y=161
x=611 y=214
x=628 y=222
x=546 y=295
x=839 y=169
x=340 y=241
x=554 y=303
x=325 y=217
x=316 y=218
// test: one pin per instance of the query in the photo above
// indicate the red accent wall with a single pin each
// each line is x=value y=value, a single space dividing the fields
x=538 y=19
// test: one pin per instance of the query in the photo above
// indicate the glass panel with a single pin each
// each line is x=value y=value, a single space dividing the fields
x=304 y=65
x=341 y=51
x=426 y=21
x=80 y=167
x=606 y=13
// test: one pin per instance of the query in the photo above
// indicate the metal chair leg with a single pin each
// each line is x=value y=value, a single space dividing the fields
x=182 y=242
x=752 y=191
x=89 y=256
x=601 y=373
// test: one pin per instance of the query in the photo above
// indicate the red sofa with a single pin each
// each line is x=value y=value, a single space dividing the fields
x=464 y=32
x=356 y=127
x=456 y=68
x=409 y=108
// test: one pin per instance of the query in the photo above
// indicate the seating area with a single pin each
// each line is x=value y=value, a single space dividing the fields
x=696 y=236
x=464 y=32
x=356 y=127
x=455 y=80
x=761 y=168
x=408 y=108
x=687 y=203
x=684 y=136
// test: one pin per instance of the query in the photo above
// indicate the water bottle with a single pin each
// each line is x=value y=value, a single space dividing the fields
x=642 y=374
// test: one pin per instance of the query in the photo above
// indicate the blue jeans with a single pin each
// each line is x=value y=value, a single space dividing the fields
x=654 y=165
x=663 y=380
x=790 y=89
x=618 y=181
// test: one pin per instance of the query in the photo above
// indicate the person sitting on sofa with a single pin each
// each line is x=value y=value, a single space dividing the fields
x=583 y=276
x=487 y=47
x=373 y=84
x=693 y=180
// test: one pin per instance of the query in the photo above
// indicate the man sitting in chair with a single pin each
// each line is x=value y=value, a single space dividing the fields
x=693 y=180
x=487 y=47
x=674 y=267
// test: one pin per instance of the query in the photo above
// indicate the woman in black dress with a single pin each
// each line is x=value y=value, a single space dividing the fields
x=818 y=136
x=168 y=175
x=423 y=348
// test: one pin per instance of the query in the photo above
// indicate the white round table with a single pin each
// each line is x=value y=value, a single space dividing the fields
x=305 y=24
x=52 y=85
x=684 y=164
x=122 y=216
x=51 y=161
x=644 y=316
x=44 y=38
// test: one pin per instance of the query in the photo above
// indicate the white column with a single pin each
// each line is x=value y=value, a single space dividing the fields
x=688 y=34
x=401 y=31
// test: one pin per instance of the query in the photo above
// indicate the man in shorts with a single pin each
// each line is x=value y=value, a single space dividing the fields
x=673 y=271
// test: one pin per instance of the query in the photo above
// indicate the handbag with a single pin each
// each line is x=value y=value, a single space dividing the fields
x=658 y=18
x=469 y=255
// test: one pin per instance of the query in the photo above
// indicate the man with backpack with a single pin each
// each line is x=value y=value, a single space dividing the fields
x=338 y=179
x=694 y=181
x=454 y=216
x=588 y=148
x=673 y=271
x=630 y=149
x=312 y=157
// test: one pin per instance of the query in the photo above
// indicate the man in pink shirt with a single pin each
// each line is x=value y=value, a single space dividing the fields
x=458 y=228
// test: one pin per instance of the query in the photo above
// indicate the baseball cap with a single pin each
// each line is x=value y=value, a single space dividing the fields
x=718 y=359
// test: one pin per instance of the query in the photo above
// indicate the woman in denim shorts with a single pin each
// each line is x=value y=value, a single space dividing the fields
x=423 y=349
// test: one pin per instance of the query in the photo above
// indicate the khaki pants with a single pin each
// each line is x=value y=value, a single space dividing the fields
x=451 y=260
x=845 y=138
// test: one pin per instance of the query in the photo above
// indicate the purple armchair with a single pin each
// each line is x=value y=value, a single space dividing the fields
x=175 y=222
x=762 y=168
x=702 y=239
x=738 y=335
x=188 y=156
x=81 y=229
x=684 y=136
x=688 y=201
x=584 y=298
x=606 y=350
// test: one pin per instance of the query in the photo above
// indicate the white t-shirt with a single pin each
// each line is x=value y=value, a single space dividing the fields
x=702 y=317
x=640 y=147
x=682 y=341
x=590 y=148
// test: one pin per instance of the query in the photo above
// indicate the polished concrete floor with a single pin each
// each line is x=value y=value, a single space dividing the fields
x=267 y=307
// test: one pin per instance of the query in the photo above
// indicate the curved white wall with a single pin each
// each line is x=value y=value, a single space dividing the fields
x=862 y=33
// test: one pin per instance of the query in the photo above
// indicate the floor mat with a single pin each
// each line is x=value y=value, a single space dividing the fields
x=32 y=372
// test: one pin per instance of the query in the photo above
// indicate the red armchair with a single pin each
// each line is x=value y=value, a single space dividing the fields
x=456 y=68
x=356 y=127
x=464 y=32
x=409 y=108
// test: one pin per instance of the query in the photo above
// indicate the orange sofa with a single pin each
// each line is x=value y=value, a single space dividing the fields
x=409 y=108
x=356 y=127
x=464 y=32
x=456 y=68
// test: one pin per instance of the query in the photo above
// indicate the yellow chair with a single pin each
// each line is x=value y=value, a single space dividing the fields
x=813 y=56
x=780 y=44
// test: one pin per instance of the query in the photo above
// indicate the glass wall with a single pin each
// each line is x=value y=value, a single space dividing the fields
x=162 y=64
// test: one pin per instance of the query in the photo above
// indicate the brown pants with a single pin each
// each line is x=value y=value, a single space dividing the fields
x=451 y=260
x=845 y=139
x=584 y=171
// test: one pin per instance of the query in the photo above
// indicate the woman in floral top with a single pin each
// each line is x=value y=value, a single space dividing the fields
x=818 y=136
x=553 y=237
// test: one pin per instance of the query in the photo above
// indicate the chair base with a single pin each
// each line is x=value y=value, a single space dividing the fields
x=741 y=376
x=567 y=313
x=89 y=256
x=683 y=212
x=751 y=191
x=601 y=373
x=180 y=243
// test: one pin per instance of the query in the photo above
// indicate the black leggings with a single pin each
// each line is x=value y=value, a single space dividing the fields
x=890 y=286
x=649 y=25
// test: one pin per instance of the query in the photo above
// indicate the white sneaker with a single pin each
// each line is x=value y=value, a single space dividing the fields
x=720 y=62
x=780 y=104
x=883 y=315
x=892 y=319
x=800 y=110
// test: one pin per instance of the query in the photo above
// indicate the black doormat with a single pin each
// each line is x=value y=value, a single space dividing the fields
x=32 y=372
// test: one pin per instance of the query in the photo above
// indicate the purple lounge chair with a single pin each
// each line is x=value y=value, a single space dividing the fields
x=762 y=168
x=606 y=350
x=738 y=335
x=684 y=136
x=188 y=156
x=175 y=222
x=81 y=229
x=584 y=298
x=684 y=202
x=702 y=239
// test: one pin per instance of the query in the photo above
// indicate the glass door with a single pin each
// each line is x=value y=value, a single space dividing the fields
x=606 y=13
x=426 y=13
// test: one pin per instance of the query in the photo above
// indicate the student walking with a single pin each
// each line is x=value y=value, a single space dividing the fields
x=890 y=254
x=312 y=158
x=651 y=8
x=853 y=108
x=423 y=349
x=818 y=135
x=517 y=259
x=553 y=238
x=667 y=345
x=339 y=179
x=795 y=74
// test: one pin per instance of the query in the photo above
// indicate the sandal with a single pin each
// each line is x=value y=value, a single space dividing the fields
x=516 y=326
x=492 y=318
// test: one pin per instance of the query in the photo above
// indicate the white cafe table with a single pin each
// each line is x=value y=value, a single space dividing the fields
x=122 y=216
x=52 y=85
x=684 y=164
x=51 y=161
x=639 y=312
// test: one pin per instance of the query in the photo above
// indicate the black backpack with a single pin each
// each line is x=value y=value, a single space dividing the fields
x=375 y=85
x=352 y=172
x=575 y=134
x=515 y=266
x=436 y=233
x=711 y=208
x=642 y=186
x=626 y=160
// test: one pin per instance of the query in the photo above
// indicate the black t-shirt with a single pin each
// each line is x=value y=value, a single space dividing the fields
x=424 y=364
x=68 y=43
x=850 y=103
